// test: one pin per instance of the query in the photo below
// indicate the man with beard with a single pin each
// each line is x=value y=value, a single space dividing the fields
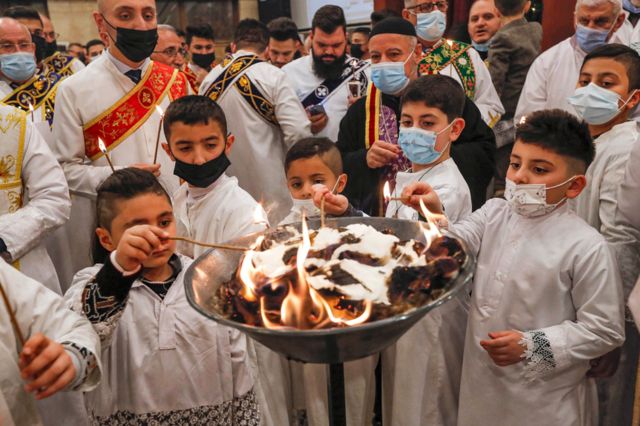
x=321 y=79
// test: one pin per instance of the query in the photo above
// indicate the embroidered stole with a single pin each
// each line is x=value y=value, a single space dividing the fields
x=38 y=92
x=58 y=64
x=327 y=87
x=452 y=53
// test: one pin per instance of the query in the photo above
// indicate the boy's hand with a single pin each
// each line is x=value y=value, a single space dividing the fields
x=414 y=192
x=504 y=347
x=334 y=205
x=382 y=153
x=153 y=168
x=138 y=243
x=318 y=122
x=606 y=365
x=45 y=366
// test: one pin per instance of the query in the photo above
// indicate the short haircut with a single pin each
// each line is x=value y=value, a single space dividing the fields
x=617 y=4
x=437 y=91
x=167 y=27
x=94 y=42
x=315 y=146
x=510 y=7
x=23 y=12
x=283 y=29
x=362 y=30
x=181 y=33
x=251 y=33
x=329 y=18
x=560 y=132
x=204 y=31
x=74 y=43
x=193 y=109
x=382 y=14
x=621 y=54
x=122 y=185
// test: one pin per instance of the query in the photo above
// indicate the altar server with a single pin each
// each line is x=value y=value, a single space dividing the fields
x=321 y=79
x=166 y=363
x=452 y=58
x=267 y=117
x=115 y=101
x=59 y=353
x=553 y=75
x=546 y=297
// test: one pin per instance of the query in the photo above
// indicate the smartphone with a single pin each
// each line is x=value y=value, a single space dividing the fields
x=316 y=109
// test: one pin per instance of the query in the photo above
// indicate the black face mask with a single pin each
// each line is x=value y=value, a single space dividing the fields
x=135 y=45
x=203 y=60
x=41 y=47
x=202 y=175
x=50 y=48
x=356 y=51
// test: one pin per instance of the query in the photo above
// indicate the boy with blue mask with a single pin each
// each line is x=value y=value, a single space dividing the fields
x=608 y=91
x=546 y=298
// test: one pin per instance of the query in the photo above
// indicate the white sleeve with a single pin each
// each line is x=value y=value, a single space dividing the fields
x=599 y=324
x=48 y=205
x=629 y=191
x=77 y=66
x=82 y=177
x=471 y=229
x=534 y=92
x=486 y=98
x=290 y=114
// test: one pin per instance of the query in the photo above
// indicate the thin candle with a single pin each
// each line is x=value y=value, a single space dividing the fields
x=106 y=154
x=12 y=317
x=155 y=153
x=216 y=246
x=32 y=113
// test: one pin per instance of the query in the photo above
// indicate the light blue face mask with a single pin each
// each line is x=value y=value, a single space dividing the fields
x=630 y=7
x=588 y=38
x=431 y=26
x=389 y=77
x=19 y=66
x=419 y=145
x=597 y=105
x=481 y=47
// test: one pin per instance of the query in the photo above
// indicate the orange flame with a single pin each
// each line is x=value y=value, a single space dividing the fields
x=247 y=272
x=386 y=192
x=432 y=230
x=160 y=111
x=101 y=146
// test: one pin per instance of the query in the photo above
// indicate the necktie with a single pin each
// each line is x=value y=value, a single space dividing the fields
x=134 y=75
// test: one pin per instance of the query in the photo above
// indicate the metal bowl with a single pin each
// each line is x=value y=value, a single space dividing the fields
x=328 y=346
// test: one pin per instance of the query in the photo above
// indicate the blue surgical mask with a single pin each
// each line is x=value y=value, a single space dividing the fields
x=431 y=26
x=596 y=105
x=481 y=47
x=630 y=7
x=419 y=145
x=19 y=66
x=588 y=38
x=390 y=77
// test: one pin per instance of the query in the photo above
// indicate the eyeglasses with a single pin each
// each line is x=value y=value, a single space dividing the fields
x=442 y=6
x=23 y=46
x=37 y=33
x=52 y=34
x=172 y=51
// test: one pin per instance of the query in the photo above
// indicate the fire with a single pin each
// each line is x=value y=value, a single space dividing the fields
x=432 y=230
x=303 y=307
x=101 y=146
x=31 y=107
x=386 y=192
x=160 y=111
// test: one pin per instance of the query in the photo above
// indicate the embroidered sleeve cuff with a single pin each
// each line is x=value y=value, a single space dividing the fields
x=538 y=355
x=84 y=362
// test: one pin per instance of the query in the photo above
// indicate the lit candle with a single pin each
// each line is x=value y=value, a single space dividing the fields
x=258 y=216
x=106 y=154
x=32 y=113
x=155 y=154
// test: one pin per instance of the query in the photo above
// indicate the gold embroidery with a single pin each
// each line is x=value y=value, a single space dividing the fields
x=7 y=166
x=15 y=200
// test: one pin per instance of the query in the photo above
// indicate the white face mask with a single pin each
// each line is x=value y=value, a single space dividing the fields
x=307 y=205
x=530 y=200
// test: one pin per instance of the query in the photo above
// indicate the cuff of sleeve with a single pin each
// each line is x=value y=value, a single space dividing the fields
x=79 y=365
x=125 y=273
x=539 y=356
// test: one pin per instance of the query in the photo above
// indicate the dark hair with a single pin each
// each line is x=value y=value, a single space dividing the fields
x=251 y=33
x=193 y=109
x=437 y=91
x=283 y=29
x=329 y=18
x=22 y=12
x=181 y=33
x=123 y=184
x=311 y=147
x=362 y=30
x=382 y=14
x=204 y=31
x=94 y=42
x=560 y=132
x=510 y=7
x=623 y=55
x=75 y=43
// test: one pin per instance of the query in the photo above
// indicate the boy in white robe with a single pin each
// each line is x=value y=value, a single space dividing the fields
x=421 y=372
x=59 y=352
x=608 y=91
x=546 y=296
x=165 y=362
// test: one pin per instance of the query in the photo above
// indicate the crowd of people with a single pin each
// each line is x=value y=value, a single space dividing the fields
x=110 y=150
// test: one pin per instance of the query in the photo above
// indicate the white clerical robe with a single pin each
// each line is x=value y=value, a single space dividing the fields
x=161 y=355
x=625 y=32
x=81 y=98
x=634 y=43
x=46 y=206
x=421 y=372
x=304 y=80
x=37 y=310
x=554 y=279
x=257 y=156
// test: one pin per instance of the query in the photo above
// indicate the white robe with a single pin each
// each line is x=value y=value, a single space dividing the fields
x=46 y=206
x=80 y=98
x=304 y=80
x=37 y=310
x=554 y=279
x=257 y=156
x=179 y=360
x=625 y=32
x=421 y=372
x=634 y=43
